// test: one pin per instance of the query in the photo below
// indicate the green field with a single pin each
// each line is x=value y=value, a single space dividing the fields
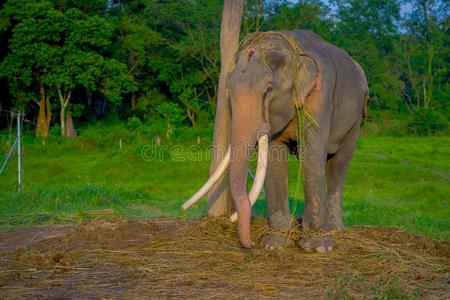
x=393 y=181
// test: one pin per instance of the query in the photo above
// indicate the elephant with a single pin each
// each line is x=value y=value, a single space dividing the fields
x=270 y=81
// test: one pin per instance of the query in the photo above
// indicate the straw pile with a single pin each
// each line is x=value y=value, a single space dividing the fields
x=203 y=259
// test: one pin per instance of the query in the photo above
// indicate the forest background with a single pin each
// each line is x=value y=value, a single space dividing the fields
x=66 y=62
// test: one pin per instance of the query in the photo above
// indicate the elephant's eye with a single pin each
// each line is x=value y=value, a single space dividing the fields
x=268 y=90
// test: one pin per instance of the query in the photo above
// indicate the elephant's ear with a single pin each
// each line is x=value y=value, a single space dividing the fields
x=275 y=60
x=306 y=80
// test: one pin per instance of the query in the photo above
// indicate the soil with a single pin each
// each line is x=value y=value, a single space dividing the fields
x=115 y=259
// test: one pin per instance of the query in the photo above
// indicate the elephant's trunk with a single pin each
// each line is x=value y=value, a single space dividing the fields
x=261 y=169
x=246 y=125
x=240 y=150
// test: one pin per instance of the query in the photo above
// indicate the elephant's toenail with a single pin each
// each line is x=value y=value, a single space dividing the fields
x=321 y=249
x=329 y=248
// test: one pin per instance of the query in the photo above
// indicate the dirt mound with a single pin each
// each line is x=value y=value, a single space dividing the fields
x=99 y=234
x=191 y=259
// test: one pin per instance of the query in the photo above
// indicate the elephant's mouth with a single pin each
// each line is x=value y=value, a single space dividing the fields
x=261 y=169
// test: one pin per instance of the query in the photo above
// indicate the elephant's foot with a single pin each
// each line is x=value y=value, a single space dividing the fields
x=319 y=244
x=278 y=237
x=272 y=241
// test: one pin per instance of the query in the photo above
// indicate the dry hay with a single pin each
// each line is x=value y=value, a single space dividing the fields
x=203 y=259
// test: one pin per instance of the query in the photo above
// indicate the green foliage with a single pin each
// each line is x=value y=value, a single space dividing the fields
x=302 y=15
x=142 y=53
x=115 y=80
x=76 y=109
x=190 y=67
x=424 y=53
x=55 y=130
x=366 y=29
x=135 y=46
x=148 y=101
x=427 y=122
x=172 y=113
x=134 y=122
x=61 y=50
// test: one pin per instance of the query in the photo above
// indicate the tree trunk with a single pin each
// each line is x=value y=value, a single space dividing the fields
x=430 y=78
x=44 y=115
x=133 y=101
x=62 y=117
x=64 y=99
x=49 y=112
x=219 y=202
x=70 y=127
x=260 y=11
x=191 y=117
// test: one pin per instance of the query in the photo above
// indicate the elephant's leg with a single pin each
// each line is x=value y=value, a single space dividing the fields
x=313 y=159
x=337 y=167
x=277 y=197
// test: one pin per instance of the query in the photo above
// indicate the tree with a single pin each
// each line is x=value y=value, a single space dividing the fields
x=60 y=50
x=311 y=15
x=423 y=49
x=367 y=30
x=190 y=64
x=144 y=53
x=219 y=199
x=136 y=44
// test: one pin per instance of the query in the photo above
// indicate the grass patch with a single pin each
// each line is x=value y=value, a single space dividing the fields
x=392 y=181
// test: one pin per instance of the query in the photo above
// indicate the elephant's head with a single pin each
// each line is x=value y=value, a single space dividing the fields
x=262 y=87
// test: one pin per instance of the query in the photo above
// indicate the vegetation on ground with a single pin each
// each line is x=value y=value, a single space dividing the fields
x=110 y=258
x=392 y=181
x=131 y=76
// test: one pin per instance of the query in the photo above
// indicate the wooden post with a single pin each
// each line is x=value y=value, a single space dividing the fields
x=219 y=202
x=19 y=155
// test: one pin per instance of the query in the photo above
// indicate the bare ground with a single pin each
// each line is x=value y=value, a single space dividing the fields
x=115 y=259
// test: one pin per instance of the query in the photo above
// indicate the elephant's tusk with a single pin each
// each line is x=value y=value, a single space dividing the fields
x=215 y=177
x=261 y=169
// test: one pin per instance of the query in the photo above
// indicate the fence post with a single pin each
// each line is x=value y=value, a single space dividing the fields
x=19 y=156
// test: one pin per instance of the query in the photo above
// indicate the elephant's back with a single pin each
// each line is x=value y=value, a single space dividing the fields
x=312 y=44
x=328 y=55
x=347 y=82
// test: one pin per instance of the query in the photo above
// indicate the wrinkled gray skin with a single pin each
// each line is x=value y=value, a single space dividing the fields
x=334 y=92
